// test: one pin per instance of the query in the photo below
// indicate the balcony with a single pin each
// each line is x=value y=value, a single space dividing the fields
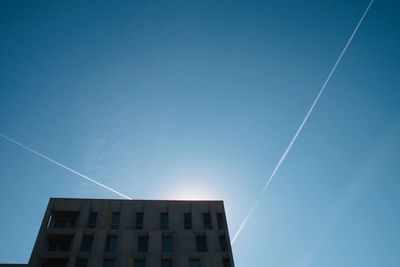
x=59 y=243
x=63 y=219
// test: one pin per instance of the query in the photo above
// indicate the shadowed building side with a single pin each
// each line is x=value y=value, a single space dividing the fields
x=134 y=233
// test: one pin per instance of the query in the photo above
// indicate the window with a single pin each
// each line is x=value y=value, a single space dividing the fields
x=201 y=243
x=109 y=263
x=207 y=220
x=187 y=220
x=59 y=243
x=194 y=263
x=92 y=220
x=226 y=262
x=166 y=263
x=115 y=220
x=111 y=243
x=164 y=220
x=81 y=262
x=222 y=243
x=166 y=244
x=139 y=220
x=139 y=263
x=87 y=242
x=143 y=243
x=220 y=220
x=63 y=223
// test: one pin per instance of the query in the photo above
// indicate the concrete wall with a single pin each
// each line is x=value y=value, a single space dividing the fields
x=184 y=245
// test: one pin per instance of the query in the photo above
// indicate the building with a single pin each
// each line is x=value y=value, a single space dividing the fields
x=133 y=233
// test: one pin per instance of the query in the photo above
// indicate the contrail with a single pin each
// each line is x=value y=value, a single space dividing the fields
x=63 y=166
x=250 y=213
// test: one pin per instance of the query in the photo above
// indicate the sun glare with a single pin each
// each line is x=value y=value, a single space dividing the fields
x=193 y=191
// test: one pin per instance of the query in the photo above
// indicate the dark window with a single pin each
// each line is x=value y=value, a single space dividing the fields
x=166 y=263
x=115 y=220
x=63 y=223
x=201 y=243
x=187 y=220
x=81 y=262
x=222 y=243
x=87 y=242
x=164 y=220
x=166 y=244
x=109 y=263
x=220 y=220
x=226 y=262
x=143 y=243
x=92 y=220
x=59 y=243
x=207 y=220
x=139 y=263
x=139 y=220
x=194 y=263
x=111 y=244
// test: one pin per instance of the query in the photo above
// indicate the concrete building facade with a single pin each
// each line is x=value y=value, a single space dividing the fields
x=132 y=233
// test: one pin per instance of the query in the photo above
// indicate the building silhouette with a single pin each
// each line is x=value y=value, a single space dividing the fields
x=132 y=233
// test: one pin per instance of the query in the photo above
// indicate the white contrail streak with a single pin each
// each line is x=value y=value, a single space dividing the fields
x=278 y=165
x=63 y=166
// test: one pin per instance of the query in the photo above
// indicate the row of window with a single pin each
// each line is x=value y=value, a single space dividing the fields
x=83 y=262
x=143 y=243
x=164 y=220
x=68 y=220
x=63 y=243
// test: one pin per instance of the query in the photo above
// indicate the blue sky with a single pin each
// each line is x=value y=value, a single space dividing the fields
x=199 y=99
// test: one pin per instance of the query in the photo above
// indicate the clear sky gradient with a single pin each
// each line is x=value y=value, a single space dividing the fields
x=198 y=100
